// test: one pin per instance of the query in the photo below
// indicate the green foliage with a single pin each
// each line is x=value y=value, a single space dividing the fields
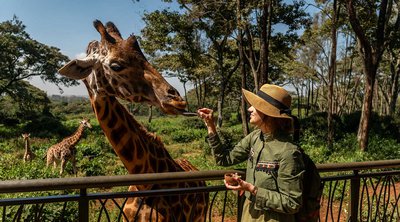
x=177 y=130
x=22 y=57
x=383 y=139
x=26 y=103
x=70 y=105
x=187 y=135
x=45 y=126
x=194 y=123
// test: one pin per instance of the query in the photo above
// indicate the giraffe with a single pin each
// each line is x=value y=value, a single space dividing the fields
x=65 y=150
x=28 y=155
x=116 y=68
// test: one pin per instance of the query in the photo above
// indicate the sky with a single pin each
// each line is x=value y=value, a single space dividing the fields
x=68 y=25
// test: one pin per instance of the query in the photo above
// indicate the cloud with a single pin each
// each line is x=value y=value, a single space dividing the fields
x=80 y=55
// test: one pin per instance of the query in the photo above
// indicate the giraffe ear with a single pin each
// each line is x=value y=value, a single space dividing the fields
x=78 y=68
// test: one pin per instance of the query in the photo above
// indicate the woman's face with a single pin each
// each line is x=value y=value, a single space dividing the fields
x=256 y=117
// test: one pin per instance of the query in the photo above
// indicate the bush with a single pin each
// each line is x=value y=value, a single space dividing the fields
x=45 y=126
x=187 y=135
x=194 y=123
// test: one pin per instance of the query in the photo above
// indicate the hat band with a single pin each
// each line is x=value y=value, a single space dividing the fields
x=282 y=107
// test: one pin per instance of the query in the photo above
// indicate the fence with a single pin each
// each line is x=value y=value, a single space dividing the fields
x=360 y=191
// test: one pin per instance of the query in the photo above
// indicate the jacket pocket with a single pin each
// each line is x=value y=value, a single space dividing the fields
x=266 y=173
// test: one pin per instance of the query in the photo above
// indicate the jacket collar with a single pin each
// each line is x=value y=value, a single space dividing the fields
x=267 y=137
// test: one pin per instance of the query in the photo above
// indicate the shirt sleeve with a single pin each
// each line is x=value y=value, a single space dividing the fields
x=288 y=196
x=227 y=156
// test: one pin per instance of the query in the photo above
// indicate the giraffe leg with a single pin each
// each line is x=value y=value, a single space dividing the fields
x=74 y=165
x=63 y=163
x=49 y=158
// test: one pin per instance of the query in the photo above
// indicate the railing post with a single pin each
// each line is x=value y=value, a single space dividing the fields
x=83 y=206
x=354 y=197
x=240 y=201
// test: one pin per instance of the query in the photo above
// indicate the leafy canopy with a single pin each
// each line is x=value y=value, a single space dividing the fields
x=22 y=57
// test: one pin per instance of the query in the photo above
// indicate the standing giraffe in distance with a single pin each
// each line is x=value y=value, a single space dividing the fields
x=28 y=155
x=65 y=150
x=116 y=68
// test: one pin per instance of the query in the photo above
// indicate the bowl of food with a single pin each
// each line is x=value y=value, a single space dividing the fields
x=232 y=179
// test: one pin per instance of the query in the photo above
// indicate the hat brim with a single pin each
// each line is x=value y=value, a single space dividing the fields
x=262 y=105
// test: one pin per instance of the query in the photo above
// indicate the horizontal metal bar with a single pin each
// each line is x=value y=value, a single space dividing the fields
x=13 y=186
x=366 y=165
x=95 y=196
x=38 y=200
x=361 y=175
x=160 y=192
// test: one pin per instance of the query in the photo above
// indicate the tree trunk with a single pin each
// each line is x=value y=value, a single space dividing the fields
x=150 y=117
x=185 y=92
x=332 y=73
x=363 y=128
x=371 y=52
x=265 y=23
x=394 y=88
x=220 y=104
x=251 y=59
x=197 y=91
x=243 y=107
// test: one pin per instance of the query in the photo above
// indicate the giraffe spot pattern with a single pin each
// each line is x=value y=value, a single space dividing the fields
x=113 y=121
x=127 y=151
x=118 y=133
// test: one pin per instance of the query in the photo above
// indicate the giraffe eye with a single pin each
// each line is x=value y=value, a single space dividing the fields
x=116 y=67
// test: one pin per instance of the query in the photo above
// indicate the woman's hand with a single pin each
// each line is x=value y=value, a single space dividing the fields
x=207 y=115
x=241 y=185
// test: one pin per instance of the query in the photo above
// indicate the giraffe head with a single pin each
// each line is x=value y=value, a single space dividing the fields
x=26 y=135
x=117 y=67
x=85 y=123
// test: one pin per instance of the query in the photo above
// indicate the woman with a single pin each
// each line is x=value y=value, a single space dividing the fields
x=274 y=164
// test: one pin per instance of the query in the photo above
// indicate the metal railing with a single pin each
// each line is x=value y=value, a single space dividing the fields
x=359 y=191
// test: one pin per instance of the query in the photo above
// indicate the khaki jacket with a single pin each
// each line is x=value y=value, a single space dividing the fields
x=275 y=166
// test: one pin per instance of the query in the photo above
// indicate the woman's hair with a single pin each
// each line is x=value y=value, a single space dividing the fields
x=279 y=125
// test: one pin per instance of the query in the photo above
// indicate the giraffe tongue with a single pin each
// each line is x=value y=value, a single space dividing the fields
x=189 y=114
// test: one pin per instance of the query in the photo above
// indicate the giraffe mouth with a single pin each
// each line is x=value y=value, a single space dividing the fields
x=173 y=107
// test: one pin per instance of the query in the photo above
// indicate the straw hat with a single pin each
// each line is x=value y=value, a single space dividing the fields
x=271 y=100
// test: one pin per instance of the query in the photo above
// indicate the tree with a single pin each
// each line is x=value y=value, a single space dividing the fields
x=24 y=102
x=373 y=26
x=174 y=43
x=217 y=20
x=22 y=58
x=271 y=29
x=196 y=42
x=243 y=109
x=332 y=71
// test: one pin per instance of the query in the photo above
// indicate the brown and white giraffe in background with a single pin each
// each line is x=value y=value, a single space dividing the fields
x=65 y=150
x=28 y=155
x=116 y=68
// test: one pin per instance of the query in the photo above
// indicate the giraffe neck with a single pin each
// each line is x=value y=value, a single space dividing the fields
x=27 y=145
x=139 y=150
x=74 y=138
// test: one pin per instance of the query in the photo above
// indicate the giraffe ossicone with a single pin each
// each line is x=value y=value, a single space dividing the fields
x=116 y=68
